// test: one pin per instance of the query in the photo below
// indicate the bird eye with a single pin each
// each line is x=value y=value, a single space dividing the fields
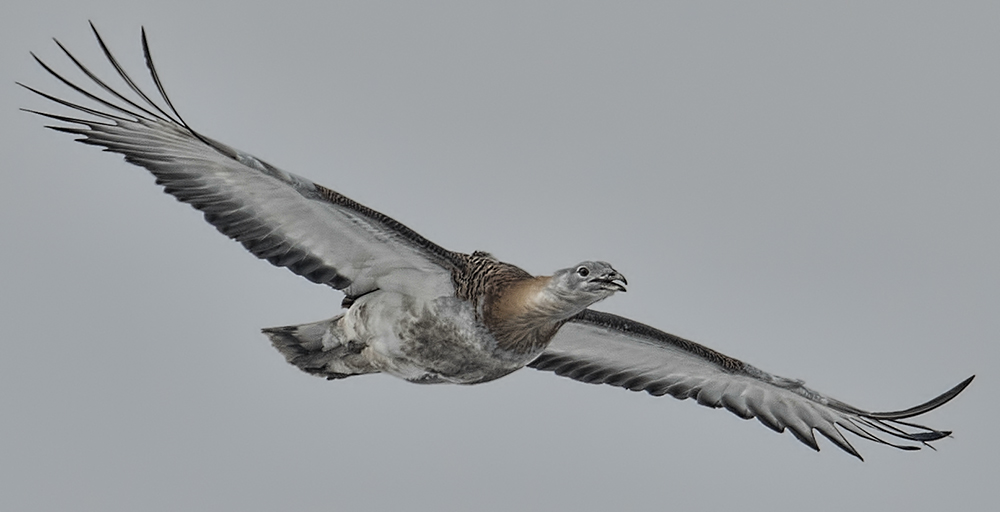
x=583 y=271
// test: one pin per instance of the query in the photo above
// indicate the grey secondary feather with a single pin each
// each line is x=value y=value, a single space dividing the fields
x=417 y=311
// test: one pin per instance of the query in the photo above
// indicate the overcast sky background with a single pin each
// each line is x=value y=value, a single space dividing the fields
x=810 y=187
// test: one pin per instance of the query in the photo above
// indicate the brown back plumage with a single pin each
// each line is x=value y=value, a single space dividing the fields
x=483 y=276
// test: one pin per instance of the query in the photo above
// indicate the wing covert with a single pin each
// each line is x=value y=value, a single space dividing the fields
x=288 y=220
x=601 y=348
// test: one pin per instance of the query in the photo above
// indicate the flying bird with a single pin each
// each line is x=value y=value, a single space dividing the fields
x=420 y=312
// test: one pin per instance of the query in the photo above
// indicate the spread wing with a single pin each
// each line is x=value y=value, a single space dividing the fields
x=601 y=348
x=286 y=219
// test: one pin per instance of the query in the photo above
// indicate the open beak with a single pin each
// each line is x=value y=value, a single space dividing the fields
x=612 y=280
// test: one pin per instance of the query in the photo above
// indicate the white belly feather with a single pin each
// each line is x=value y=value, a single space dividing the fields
x=426 y=340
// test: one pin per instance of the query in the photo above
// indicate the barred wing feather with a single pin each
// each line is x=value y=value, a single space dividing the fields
x=286 y=219
x=602 y=348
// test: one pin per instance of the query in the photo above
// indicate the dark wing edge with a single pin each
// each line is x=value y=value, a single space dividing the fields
x=602 y=348
x=159 y=140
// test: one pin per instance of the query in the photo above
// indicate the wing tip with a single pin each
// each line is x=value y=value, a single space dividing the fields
x=925 y=407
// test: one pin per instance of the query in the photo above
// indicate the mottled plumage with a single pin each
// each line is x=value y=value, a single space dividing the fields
x=418 y=311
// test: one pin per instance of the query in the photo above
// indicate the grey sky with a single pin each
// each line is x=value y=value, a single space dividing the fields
x=810 y=188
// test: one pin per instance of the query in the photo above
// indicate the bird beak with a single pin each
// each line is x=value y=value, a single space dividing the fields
x=613 y=281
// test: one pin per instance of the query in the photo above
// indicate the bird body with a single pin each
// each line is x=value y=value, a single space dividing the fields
x=420 y=312
x=498 y=320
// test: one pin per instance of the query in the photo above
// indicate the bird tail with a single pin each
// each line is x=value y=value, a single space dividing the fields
x=320 y=348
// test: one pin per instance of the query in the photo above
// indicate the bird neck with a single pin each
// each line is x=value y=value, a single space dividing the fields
x=525 y=315
x=521 y=312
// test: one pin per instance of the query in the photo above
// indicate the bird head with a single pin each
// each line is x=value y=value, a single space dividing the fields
x=588 y=282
